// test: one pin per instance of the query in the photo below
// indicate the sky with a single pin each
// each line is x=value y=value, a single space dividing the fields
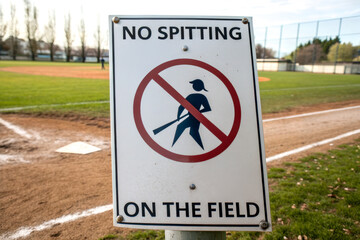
x=264 y=12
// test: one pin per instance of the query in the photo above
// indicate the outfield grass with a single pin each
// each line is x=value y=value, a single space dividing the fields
x=317 y=197
x=286 y=90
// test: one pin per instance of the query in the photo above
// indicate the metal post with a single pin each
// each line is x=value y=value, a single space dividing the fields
x=337 y=48
x=193 y=235
x=264 y=48
x=297 y=39
x=315 y=47
x=281 y=29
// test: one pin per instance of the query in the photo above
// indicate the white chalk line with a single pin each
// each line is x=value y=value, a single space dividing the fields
x=25 y=231
x=16 y=129
x=307 y=147
x=307 y=88
x=311 y=113
x=50 y=105
x=5 y=159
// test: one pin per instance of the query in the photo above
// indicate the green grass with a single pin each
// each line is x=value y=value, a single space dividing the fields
x=317 y=197
x=286 y=90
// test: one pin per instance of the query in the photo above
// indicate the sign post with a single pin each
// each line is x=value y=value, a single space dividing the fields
x=187 y=140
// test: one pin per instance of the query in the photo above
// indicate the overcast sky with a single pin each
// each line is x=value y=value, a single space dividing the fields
x=264 y=12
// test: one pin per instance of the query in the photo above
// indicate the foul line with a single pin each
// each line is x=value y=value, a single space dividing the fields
x=25 y=231
x=301 y=149
x=311 y=113
x=50 y=105
x=16 y=129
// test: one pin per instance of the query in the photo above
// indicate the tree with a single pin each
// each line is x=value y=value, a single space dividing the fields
x=68 y=37
x=32 y=27
x=82 y=31
x=3 y=27
x=50 y=34
x=310 y=54
x=262 y=52
x=98 y=40
x=14 y=32
x=341 y=52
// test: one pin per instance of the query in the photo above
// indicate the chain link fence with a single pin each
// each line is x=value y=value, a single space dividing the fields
x=327 y=46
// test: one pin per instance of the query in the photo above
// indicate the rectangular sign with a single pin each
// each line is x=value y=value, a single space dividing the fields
x=187 y=139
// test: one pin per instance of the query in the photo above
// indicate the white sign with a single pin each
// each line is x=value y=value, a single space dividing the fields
x=187 y=138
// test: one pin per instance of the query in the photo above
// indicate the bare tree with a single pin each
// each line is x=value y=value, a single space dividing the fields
x=14 y=32
x=262 y=52
x=32 y=28
x=50 y=33
x=98 y=40
x=3 y=27
x=82 y=31
x=68 y=37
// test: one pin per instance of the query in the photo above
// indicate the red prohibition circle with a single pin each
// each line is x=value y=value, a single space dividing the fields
x=179 y=157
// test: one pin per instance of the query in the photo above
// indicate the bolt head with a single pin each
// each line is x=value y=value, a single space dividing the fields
x=116 y=20
x=192 y=186
x=245 y=21
x=119 y=219
x=185 y=48
x=264 y=225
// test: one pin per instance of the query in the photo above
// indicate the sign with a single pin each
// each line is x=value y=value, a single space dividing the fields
x=187 y=139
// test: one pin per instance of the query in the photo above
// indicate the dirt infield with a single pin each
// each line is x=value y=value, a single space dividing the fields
x=57 y=71
x=47 y=185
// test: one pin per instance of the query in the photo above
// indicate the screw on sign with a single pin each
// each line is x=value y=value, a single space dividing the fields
x=196 y=104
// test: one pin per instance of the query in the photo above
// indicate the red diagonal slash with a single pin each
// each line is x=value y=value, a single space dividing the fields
x=188 y=106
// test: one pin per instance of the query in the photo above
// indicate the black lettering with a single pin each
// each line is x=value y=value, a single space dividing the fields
x=178 y=209
x=163 y=33
x=223 y=34
x=210 y=33
x=194 y=209
x=238 y=214
x=131 y=34
x=220 y=210
x=182 y=33
x=248 y=209
x=140 y=33
x=136 y=212
x=190 y=31
x=228 y=209
x=210 y=209
x=145 y=206
x=168 y=204
x=202 y=32
x=173 y=31
x=237 y=35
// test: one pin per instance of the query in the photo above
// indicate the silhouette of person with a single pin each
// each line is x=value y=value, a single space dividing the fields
x=197 y=100
x=102 y=63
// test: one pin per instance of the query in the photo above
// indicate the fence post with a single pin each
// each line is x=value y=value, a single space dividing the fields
x=337 y=48
x=315 y=46
x=281 y=29
x=297 y=39
x=266 y=29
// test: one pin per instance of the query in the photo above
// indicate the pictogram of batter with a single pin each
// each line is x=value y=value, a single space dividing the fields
x=195 y=104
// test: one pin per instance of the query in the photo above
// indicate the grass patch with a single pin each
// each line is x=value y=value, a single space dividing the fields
x=317 y=197
x=286 y=90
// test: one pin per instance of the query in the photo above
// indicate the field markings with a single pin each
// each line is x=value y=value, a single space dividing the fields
x=16 y=129
x=307 y=88
x=307 y=147
x=310 y=114
x=51 y=105
x=25 y=231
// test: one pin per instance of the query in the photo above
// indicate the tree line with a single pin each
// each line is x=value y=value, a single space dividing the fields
x=315 y=51
x=34 y=37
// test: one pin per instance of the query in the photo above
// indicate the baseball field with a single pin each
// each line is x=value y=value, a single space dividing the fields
x=311 y=127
